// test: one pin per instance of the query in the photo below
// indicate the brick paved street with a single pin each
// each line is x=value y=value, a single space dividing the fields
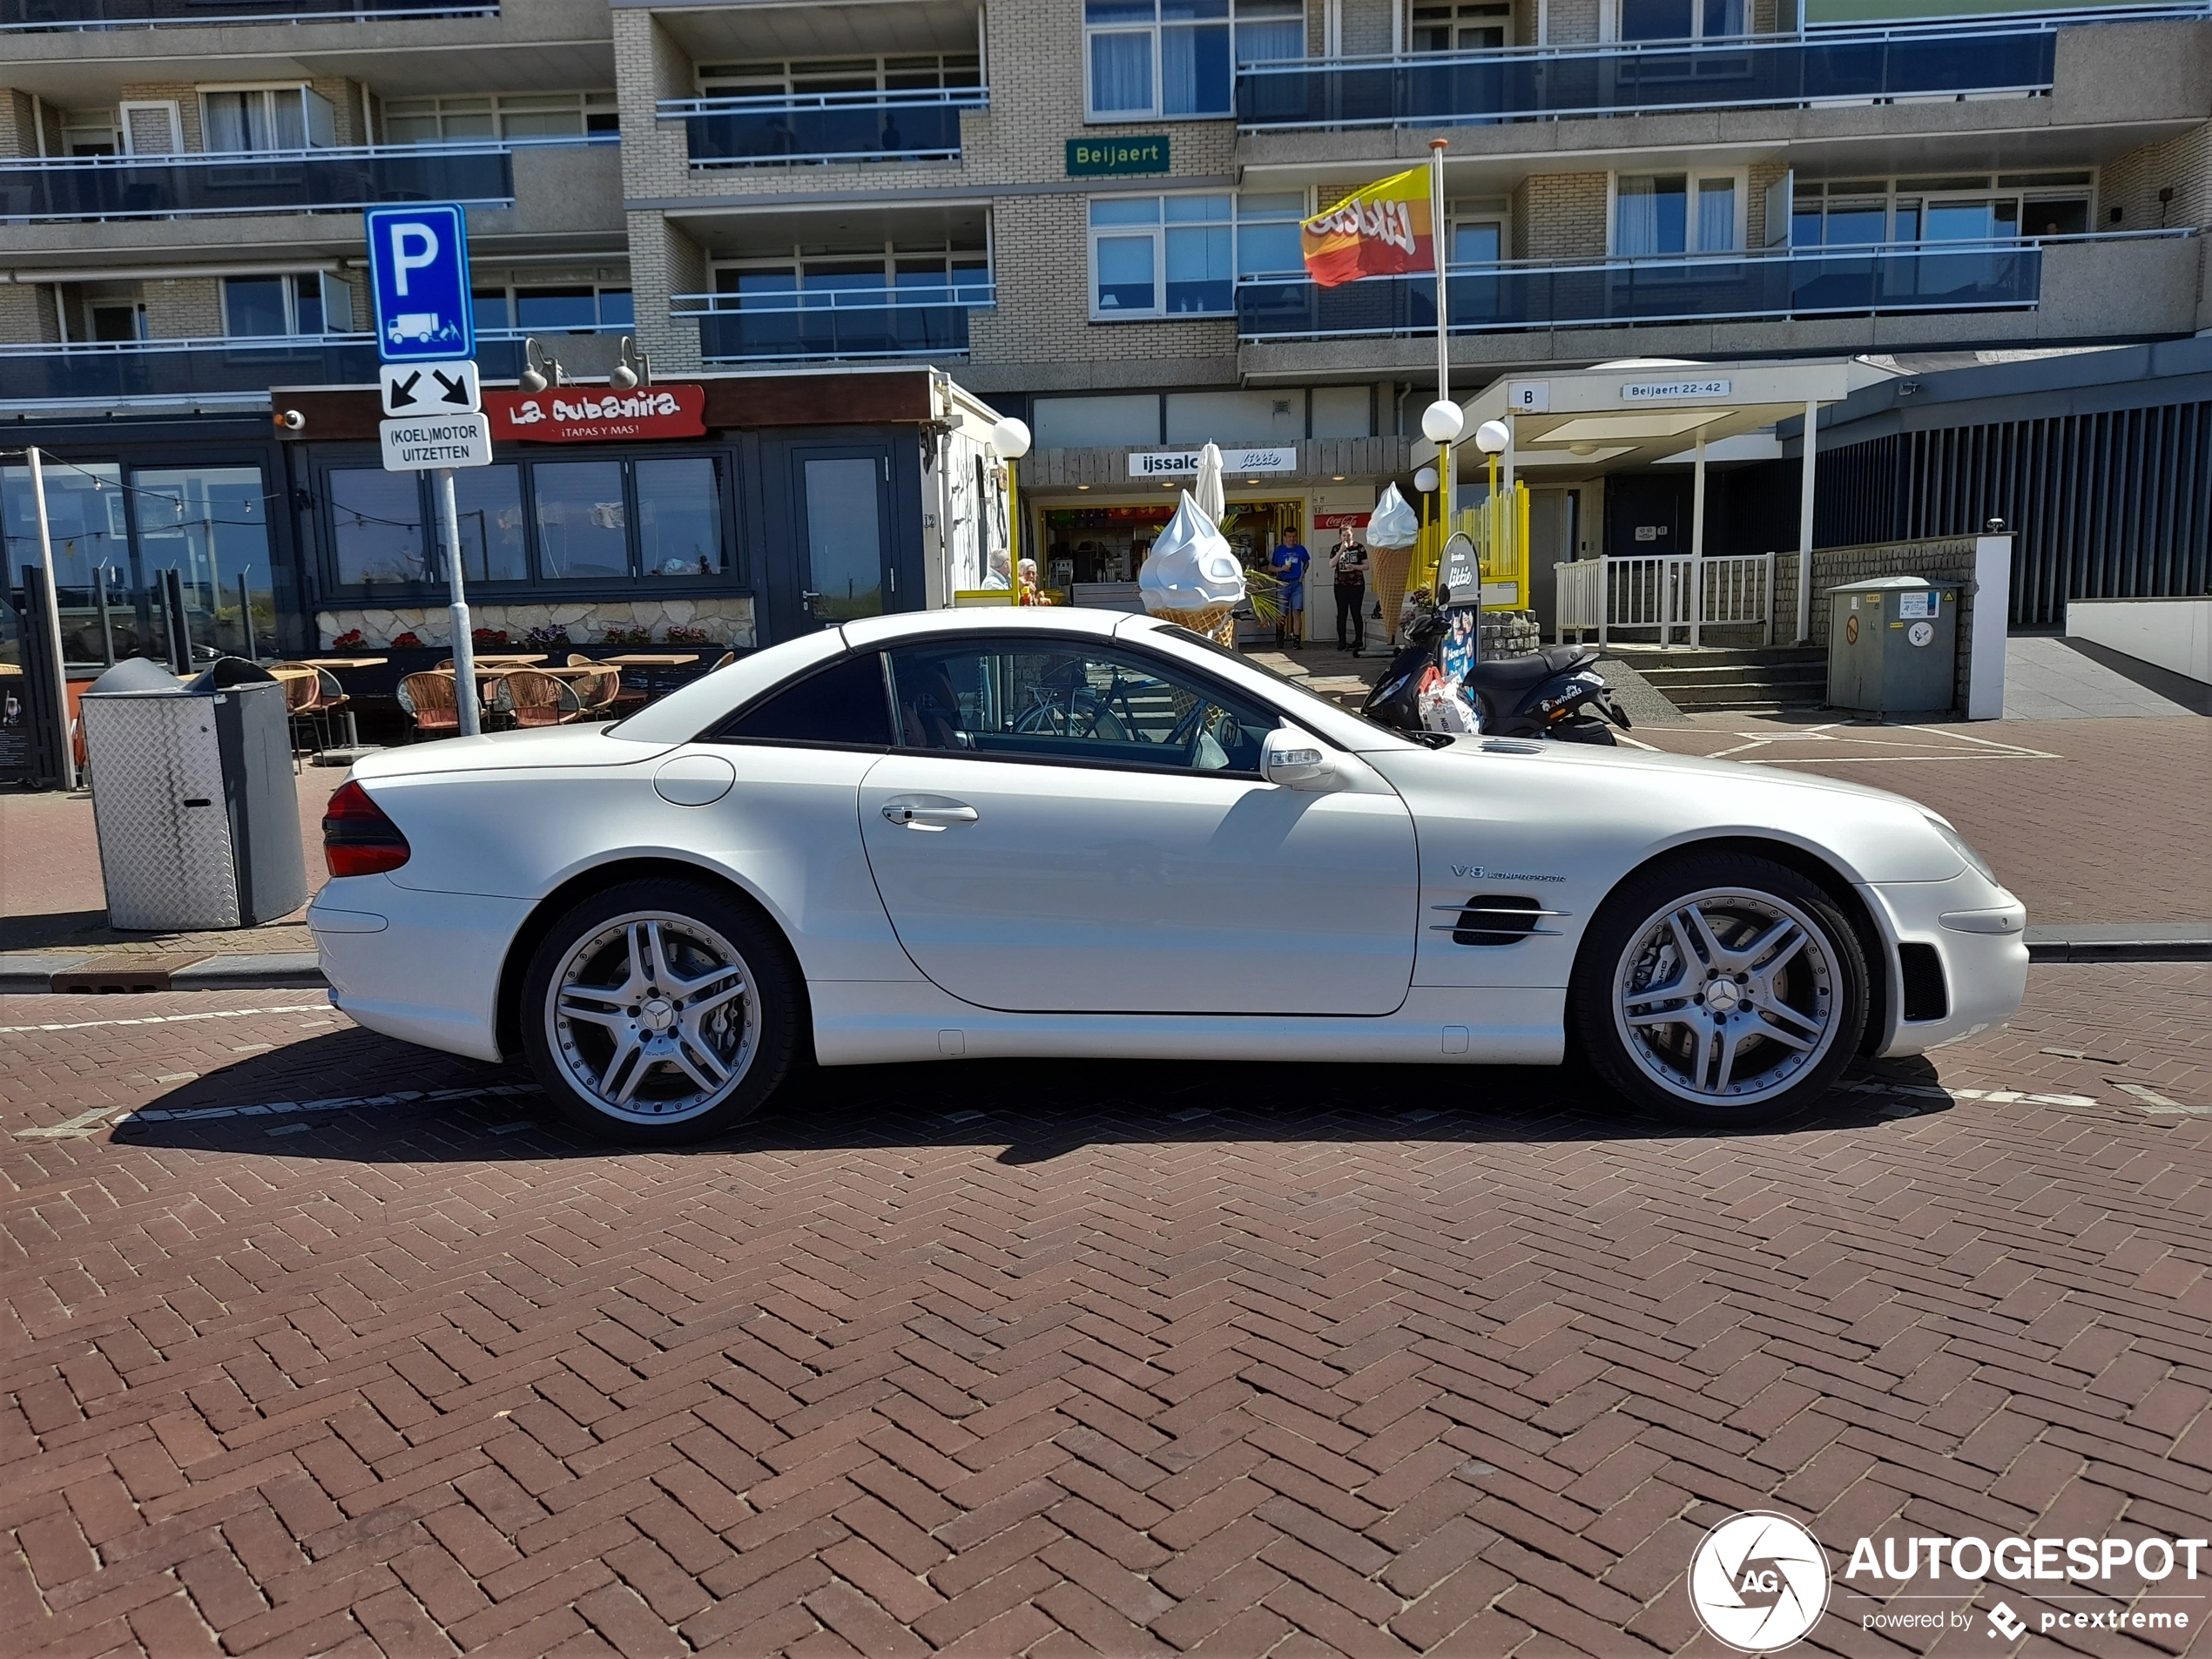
x=1121 y=1360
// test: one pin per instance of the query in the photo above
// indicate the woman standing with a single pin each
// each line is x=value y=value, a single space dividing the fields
x=1349 y=561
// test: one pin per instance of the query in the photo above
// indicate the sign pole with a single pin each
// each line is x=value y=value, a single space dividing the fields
x=49 y=623
x=1438 y=239
x=464 y=647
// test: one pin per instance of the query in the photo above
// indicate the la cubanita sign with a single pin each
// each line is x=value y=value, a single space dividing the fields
x=597 y=414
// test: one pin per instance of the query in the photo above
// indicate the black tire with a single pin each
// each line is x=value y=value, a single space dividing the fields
x=1581 y=730
x=661 y=1089
x=1804 y=1011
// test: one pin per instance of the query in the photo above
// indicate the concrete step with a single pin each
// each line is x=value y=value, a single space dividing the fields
x=1773 y=673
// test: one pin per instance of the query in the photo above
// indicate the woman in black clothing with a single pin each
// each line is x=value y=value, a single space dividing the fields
x=1349 y=563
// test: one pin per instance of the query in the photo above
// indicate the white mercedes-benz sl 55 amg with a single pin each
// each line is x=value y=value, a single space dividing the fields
x=1075 y=833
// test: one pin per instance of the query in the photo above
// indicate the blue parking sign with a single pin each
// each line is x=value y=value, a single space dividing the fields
x=418 y=265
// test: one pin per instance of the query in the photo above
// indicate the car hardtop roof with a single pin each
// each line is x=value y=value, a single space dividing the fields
x=865 y=632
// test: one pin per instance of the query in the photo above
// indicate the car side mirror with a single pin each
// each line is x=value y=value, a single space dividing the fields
x=1296 y=760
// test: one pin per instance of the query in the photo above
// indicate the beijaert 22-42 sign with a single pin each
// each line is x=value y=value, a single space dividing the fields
x=597 y=414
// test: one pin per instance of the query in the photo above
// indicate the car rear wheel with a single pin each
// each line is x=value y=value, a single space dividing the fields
x=1720 y=988
x=659 y=1011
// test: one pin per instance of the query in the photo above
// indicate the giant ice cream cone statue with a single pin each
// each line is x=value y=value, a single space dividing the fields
x=1392 y=532
x=1193 y=578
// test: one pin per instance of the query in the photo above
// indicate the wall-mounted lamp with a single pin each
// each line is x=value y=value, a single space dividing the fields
x=541 y=368
x=631 y=368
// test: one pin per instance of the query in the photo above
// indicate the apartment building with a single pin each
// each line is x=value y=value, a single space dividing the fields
x=1085 y=210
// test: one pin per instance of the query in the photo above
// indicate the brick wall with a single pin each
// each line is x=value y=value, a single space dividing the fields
x=27 y=313
x=664 y=261
x=1762 y=173
x=1943 y=559
x=1560 y=216
x=189 y=309
x=18 y=136
x=184 y=94
x=1366 y=24
x=2181 y=164
x=1572 y=21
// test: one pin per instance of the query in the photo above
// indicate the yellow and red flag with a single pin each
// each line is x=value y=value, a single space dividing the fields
x=1381 y=231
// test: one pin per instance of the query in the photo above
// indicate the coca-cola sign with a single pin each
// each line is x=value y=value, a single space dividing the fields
x=597 y=414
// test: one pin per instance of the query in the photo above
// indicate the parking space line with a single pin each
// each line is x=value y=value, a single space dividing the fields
x=167 y=1019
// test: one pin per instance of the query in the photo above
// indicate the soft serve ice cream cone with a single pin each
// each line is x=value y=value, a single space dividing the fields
x=1193 y=577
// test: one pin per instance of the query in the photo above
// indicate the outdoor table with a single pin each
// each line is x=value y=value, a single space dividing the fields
x=346 y=662
x=653 y=659
x=510 y=659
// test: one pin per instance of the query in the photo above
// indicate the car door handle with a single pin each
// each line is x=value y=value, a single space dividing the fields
x=913 y=815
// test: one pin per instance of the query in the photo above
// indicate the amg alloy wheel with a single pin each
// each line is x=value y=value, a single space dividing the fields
x=1724 y=988
x=658 y=1011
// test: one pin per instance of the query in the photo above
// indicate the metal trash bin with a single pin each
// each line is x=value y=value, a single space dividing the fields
x=1893 y=645
x=193 y=797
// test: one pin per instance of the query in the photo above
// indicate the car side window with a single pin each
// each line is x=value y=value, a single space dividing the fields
x=842 y=704
x=1072 y=702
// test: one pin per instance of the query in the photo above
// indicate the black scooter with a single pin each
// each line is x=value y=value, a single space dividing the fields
x=1557 y=693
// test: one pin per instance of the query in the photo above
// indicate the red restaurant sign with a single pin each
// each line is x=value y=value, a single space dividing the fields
x=594 y=414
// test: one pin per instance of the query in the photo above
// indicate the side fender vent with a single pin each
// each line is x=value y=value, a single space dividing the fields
x=1496 y=919
x=1921 y=968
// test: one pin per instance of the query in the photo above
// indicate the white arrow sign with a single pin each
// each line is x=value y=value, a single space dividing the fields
x=449 y=388
x=425 y=443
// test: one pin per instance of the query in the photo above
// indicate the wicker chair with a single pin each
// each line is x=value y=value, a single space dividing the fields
x=598 y=691
x=309 y=703
x=724 y=660
x=429 y=698
x=536 y=700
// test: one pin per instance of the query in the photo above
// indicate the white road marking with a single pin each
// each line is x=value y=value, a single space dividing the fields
x=2151 y=1100
x=167 y=1019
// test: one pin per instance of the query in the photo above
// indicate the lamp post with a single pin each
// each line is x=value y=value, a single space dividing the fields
x=1010 y=438
x=1441 y=424
x=1492 y=437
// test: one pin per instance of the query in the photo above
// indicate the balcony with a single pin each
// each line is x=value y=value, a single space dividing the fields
x=228 y=371
x=43 y=16
x=834 y=325
x=1881 y=280
x=290 y=181
x=1526 y=83
x=813 y=128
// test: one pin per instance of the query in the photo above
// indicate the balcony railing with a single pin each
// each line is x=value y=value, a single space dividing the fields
x=834 y=324
x=824 y=126
x=50 y=16
x=1521 y=84
x=1701 y=287
x=224 y=369
x=290 y=181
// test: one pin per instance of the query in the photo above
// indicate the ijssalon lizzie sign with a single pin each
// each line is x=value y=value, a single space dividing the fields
x=593 y=415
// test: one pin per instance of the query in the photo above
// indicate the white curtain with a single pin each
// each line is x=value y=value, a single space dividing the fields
x=1715 y=215
x=1121 y=71
x=1635 y=217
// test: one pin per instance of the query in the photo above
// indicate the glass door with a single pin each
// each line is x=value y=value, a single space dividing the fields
x=843 y=502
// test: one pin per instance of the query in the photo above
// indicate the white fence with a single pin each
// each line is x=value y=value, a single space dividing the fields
x=1666 y=591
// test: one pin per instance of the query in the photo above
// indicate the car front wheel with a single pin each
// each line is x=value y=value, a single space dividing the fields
x=1722 y=989
x=659 y=1011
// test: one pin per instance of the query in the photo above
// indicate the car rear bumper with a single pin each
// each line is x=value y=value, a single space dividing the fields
x=1974 y=933
x=430 y=973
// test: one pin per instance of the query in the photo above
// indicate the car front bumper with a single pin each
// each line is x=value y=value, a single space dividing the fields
x=421 y=967
x=1979 y=932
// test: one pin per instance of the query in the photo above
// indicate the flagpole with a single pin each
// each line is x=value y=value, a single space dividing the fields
x=1437 y=253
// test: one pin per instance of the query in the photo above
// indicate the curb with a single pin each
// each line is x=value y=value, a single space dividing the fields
x=59 y=973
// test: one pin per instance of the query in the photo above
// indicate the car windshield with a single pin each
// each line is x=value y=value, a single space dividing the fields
x=1290 y=682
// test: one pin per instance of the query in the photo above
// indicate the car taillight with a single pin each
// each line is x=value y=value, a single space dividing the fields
x=357 y=839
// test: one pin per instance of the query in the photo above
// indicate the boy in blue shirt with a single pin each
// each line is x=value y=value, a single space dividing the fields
x=1288 y=566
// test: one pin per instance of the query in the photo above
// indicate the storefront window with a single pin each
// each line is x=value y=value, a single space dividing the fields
x=679 y=517
x=84 y=520
x=845 y=537
x=376 y=527
x=211 y=525
x=489 y=500
x=582 y=532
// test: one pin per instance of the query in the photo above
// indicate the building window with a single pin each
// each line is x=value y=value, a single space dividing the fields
x=259 y=119
x=570 y=521
x=551 y=308
x=1477 y=230
x=1679 y=19
x=923 y=274
x=1461 y=28
x=1150 y=58
x=1857 y=213
x=1660 y=213
x=312 y=303
x=1169 y=256
x=919 y=72
x=505 y=116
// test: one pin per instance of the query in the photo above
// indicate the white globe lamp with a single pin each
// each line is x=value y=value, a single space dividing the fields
x=1010 y=438
x=1426 y=480
x=1443 y=421
x=1491 y=437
